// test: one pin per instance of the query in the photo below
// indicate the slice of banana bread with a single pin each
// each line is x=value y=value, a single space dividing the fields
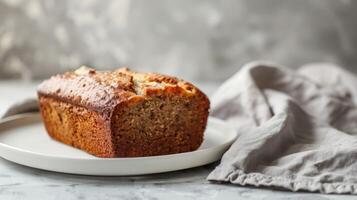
x=123 y=113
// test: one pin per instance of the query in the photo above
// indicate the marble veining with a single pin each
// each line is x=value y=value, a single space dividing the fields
x=20 y=182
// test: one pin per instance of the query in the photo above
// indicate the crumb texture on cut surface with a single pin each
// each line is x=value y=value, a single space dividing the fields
x=163 y=124
x=123 y=113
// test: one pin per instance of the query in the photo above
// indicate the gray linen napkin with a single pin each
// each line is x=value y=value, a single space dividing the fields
x=23 y=106
x=297 y=130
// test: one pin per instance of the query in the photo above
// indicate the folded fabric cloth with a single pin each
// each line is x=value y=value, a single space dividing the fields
x=23 y=106
x=297 y=130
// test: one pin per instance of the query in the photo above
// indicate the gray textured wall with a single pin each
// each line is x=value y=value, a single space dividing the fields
x=194 y=39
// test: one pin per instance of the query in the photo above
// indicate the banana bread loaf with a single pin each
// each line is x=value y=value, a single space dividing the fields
x=123 y=113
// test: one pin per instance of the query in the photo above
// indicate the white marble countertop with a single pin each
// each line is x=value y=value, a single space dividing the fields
x=20 y=182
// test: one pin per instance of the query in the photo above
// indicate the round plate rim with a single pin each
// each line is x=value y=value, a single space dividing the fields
x=14 y=118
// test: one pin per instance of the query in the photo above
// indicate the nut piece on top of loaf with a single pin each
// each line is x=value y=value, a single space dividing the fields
x=123 y=113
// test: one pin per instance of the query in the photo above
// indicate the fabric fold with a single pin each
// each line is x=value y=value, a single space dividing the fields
x=297 y=129
x=22 y=106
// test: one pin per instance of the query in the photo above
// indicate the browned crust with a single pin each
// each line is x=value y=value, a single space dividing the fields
x=103 y=90
x=78 y=109
x=77 y=126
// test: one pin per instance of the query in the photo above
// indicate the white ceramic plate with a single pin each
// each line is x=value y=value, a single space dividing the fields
x=24 y=140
